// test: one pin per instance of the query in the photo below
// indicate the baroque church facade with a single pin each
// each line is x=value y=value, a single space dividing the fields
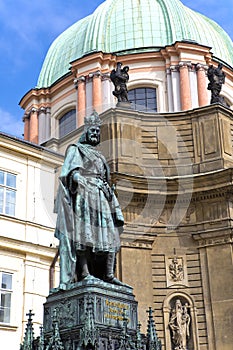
x=170 y=156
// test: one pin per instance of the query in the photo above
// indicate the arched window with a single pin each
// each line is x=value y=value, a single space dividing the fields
x=67 y=123
x=143 y=99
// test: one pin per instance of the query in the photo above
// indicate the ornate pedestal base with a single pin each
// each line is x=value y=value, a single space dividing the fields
x=92 y=312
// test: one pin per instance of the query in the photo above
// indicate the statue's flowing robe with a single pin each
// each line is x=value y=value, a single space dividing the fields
x=89 y=214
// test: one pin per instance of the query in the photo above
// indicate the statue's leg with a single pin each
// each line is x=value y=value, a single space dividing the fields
x=110 y=264
x=82 y=258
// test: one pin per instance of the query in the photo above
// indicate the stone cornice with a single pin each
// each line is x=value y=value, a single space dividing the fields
x=9 y=244
x=208 y=185
x=136 y=244
x=134 y=239
x=118 y=113
x=37 y=95
x=25 y=222
x=213 y=237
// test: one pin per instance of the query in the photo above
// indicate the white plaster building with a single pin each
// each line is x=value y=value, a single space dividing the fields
x=27 y=243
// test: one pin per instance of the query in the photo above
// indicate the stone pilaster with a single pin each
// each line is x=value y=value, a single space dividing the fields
x=202 y=85
x=96 y=91
x=26 y=121
x=175 y=83
x=34 y=127
x=80 y=84
x=44 y=124
x=185 y=92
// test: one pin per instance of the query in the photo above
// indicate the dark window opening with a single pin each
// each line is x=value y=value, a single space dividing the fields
x=67 y=123
x=143 y=99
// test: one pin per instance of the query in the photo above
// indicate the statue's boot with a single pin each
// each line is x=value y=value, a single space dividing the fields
x=83 y=265
x=111 y=257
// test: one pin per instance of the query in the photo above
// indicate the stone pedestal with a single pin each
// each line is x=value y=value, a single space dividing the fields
x=126 y=105
x=92 y=312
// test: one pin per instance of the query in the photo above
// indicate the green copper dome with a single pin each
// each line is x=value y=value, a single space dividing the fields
x=136 y=25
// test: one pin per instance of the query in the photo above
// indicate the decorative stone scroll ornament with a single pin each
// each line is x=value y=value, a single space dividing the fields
x=179 y=324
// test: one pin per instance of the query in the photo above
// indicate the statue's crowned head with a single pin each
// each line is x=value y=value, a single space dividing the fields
x=91 y=133
x=92 y=120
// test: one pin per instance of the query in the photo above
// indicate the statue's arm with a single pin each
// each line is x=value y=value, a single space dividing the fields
x=76 y=180
x=70 y=174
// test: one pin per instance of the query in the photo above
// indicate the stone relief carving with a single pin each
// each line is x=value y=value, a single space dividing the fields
x=67 y=312
x=176 y=269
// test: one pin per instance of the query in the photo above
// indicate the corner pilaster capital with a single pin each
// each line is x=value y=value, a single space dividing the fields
x=42 y=109
x=96 y=74
x=78 y=81
x=185 y=64
x=174 y=68
x=105 y=76
x=201 y=67
x=33 y=110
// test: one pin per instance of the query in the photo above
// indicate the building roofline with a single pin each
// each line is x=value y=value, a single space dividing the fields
x=29 y=144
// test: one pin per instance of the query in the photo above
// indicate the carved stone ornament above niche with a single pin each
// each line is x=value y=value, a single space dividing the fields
x=176 y=271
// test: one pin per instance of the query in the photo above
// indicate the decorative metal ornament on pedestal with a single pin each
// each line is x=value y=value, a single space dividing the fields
x=153 y=343
x=29 y=333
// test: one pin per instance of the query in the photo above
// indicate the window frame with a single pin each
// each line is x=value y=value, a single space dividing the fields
x=8 y=189
x=4 y=291
x=146 y=98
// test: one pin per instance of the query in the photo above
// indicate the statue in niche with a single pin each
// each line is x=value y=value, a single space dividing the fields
x=176 y=270
x=216 y=79
x=179 y=324
x=89 y=219
x=120 y=77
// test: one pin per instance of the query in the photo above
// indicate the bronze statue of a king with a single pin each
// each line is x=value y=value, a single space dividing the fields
x=89 y=218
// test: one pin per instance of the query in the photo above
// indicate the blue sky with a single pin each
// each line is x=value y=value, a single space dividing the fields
x=27 y=29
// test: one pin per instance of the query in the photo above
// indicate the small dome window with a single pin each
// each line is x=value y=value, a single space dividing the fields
x=67 y=123
x=143 y=99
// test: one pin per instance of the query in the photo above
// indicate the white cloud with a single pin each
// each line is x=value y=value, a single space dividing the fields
x=10 y=124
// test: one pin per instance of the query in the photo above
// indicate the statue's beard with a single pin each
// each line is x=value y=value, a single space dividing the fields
x=94 y=140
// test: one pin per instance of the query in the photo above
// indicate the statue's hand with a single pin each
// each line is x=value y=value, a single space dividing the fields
x=78 y=179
